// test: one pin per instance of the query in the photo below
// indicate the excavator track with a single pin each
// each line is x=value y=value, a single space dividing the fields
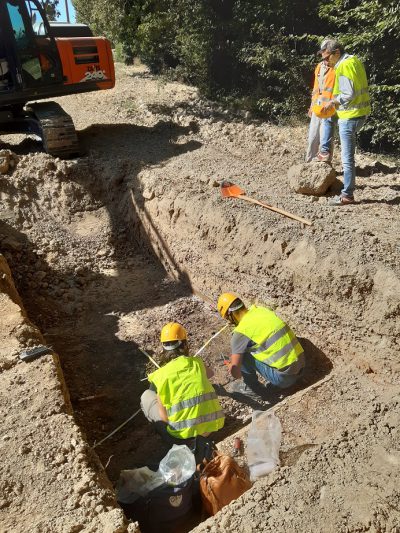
x=57 y=129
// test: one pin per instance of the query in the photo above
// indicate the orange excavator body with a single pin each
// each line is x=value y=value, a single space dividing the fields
x=87 y=60
x=41 y=60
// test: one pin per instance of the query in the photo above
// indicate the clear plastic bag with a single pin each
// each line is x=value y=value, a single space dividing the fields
x=178 y=465
x=263 y=443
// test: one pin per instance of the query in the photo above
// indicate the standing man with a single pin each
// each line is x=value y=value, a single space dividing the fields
x=321 y=129
x=352 y=103
x=263 y=343
x=181 y=401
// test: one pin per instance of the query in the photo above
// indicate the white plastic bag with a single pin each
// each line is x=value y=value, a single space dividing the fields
x=178 y=465
x=137 y=482
x=263 y=443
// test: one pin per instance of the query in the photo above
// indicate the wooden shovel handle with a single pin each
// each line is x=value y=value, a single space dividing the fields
x=276 y=209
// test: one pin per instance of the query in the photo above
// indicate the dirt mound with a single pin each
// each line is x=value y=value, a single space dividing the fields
x=346 y=484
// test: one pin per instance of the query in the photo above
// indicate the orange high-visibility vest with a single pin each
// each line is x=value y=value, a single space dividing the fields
x=322 y=95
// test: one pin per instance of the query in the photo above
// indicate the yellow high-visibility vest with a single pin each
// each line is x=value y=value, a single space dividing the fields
x=275 y=343
x=189 y=398
x=360 y=106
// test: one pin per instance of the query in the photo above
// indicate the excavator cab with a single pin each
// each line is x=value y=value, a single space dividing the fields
x=30 y=51
x=40 y=60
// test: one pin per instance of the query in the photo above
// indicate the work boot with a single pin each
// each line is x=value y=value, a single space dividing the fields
x=341 y=200
x=240 y=388
x=325 y=157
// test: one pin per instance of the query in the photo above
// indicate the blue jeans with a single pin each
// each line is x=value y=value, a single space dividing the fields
x=320 y=136
x=251 y=366
x=327 y=132
x=348 y=129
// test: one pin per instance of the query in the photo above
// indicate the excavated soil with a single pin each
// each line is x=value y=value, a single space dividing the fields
x=106 y=248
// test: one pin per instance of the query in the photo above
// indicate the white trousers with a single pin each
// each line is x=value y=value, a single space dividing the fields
x=314 y=137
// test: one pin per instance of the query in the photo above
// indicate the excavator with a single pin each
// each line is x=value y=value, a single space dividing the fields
x=40 y=60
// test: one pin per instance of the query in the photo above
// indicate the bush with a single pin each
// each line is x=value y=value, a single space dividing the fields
x=257 y=54
x=381 y=132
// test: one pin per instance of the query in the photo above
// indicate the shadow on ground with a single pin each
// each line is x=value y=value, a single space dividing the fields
x=318 y=365
x=78 y=308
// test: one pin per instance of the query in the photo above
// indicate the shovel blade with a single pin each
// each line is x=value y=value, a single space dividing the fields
x=229 y=190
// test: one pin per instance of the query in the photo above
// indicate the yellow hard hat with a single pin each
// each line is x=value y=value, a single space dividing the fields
x=322 y=112
x=225 y=301
x=173 y=332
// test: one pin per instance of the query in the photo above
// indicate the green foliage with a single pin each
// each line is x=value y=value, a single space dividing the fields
x=259 y=55
x=121 y=55
x=381 y=132
x=51 y=8
x=155 y=37
x=109 y=19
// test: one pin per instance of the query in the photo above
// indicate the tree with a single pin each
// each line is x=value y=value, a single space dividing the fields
x=260 y=55
x=50 y=8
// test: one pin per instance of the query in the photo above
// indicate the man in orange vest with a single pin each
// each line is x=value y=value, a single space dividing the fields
x=320 y=134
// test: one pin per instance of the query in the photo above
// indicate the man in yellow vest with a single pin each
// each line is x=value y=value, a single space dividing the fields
x=181 y=401
x=322 y=123
x=263 y=343
x=352 y=103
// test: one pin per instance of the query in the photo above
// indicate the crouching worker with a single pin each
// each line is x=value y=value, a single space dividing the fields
x=263 y=343
x=181 y=401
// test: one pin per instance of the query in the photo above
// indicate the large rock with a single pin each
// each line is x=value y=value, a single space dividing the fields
x=313 y=178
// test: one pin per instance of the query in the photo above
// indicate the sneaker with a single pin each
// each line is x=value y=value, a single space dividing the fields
x=240 y=388
x=323 y=156
x=341 y=200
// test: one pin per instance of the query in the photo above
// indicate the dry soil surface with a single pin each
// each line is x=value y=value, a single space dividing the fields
x=106 y=248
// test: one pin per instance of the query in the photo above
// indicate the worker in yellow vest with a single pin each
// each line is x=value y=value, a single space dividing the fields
x=263 y=343
x=352 y=103
x=322 y=123
x=181 y=401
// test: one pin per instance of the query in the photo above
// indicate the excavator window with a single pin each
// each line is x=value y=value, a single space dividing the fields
x=38 y=25
x=32 y=43
x=18 y=25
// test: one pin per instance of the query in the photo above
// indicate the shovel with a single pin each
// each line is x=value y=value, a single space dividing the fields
x=230 y=190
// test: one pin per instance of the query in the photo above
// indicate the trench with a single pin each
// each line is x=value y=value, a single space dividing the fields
x=98 y=316
x=90 y=280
